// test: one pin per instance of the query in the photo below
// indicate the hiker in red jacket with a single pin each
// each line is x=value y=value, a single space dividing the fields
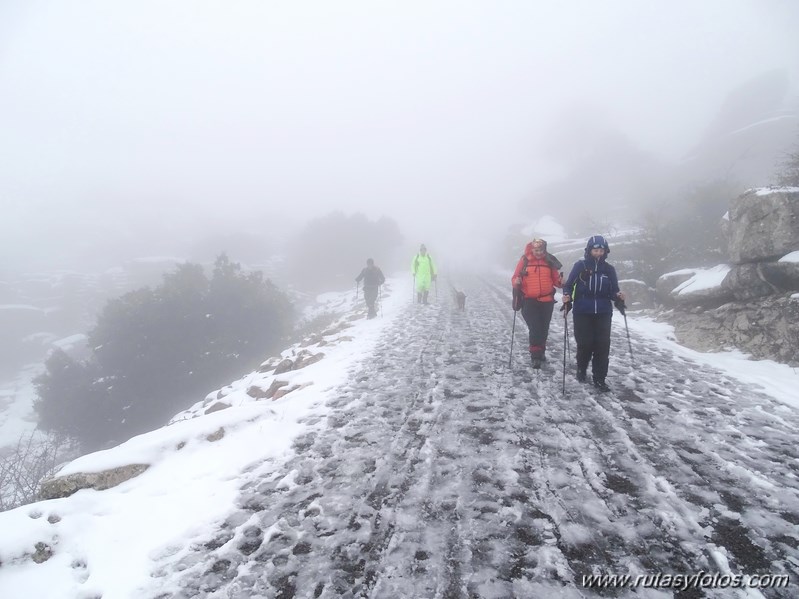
x=534 y=281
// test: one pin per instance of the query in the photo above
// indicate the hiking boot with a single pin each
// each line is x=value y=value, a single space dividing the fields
x=601 y=385
x=536 y=363
x=581 y=376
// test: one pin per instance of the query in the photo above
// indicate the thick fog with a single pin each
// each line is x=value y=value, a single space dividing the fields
x=137 y=128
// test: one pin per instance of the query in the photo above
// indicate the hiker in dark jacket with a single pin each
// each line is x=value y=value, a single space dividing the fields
x=534 y=281
x=590 y=290
x=372 y=278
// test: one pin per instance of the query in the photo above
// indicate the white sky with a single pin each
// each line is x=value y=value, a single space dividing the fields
x=184 y=114
x=109 y=542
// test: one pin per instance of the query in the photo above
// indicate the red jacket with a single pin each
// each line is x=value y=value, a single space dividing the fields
x=540 y=279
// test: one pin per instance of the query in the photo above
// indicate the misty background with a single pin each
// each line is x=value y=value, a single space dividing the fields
x=152 y=128
x=301 y=138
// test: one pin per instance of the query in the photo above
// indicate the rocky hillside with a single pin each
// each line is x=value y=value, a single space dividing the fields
x=752 y=302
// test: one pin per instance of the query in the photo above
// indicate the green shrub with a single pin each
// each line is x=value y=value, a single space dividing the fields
x=155 y=350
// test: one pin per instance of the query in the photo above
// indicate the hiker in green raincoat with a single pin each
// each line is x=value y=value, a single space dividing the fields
x=424 y=273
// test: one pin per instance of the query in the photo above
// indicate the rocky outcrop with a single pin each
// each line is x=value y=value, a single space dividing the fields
x=257 y=392
x=301 y=360
x=762 y=228
x=217 y=407
x=64 y=486
x=763 y=225
x=667 y=283
x=760 y=279
x=638 y=295
x=754 y=307
x=765 y=330
x=694 y=287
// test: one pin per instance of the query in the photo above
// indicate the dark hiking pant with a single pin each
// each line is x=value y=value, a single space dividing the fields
x=592 y=333
x=537 y=315
x=370 y=295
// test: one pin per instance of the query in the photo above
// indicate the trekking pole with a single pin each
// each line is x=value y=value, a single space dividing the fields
x=566 y=350
x=620 y=305
x=512 y=331
x=629 y=343
x=413 y=289
x=568 y=343
x=565 y=346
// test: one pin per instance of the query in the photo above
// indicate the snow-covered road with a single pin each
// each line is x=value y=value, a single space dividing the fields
x=440 y=472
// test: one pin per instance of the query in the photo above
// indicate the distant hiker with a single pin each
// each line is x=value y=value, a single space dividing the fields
x=591 y=289
x=372 y=278
x=534 y=281
x=424 y=273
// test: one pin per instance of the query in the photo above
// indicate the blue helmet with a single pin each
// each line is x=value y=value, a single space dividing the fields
x=596 y=241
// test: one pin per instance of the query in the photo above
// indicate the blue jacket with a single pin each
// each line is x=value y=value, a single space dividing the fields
x=593 y=286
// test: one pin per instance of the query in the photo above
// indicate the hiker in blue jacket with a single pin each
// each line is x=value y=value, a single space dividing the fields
x=590 y=290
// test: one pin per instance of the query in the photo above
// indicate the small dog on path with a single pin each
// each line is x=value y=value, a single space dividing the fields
x=461 y=297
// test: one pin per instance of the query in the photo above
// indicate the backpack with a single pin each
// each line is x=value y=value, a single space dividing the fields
x=553 y=263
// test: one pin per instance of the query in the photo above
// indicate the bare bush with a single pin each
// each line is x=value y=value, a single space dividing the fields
x=23 y=467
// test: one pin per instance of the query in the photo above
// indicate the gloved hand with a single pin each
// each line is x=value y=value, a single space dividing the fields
x=518 y=299
x=433 y=277
x=620 y=305
x=567 y=304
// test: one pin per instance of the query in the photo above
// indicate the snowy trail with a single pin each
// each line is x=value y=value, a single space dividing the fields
x=439 y=472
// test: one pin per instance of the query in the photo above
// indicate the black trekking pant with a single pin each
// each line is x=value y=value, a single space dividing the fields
x=592 y=333
x=537 y=315
x=370 y=295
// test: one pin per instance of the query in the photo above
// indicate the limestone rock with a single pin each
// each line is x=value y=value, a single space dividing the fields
x=216 y=407
x=669 y=282
x=766 y=328
x=216 y=435
x=307 y=359
x=764 y=225
x=64 y=486
x=638 y=294
x=284 y=366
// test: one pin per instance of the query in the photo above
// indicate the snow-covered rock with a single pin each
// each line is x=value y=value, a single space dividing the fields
x=694 y=286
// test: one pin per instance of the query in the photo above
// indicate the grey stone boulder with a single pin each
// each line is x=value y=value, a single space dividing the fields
x=64 y=486
x=284 y=366
x=783 y=275
x=749 y=281
x=764 y=225
x=638 y=295
x=703 y=287
x=766 y=328
x=669 y=282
